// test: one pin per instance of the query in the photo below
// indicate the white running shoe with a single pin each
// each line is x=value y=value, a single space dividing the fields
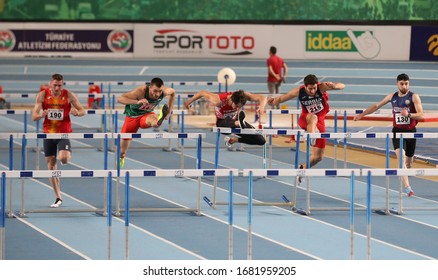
x=57 y=203
x=227 y=142
x=313 y=140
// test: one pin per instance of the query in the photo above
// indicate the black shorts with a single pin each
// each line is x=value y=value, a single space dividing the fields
x=52 y=146
x=250 y=139
x=409 y=144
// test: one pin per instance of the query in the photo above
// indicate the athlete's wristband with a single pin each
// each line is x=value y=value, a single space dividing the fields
x=409 y=115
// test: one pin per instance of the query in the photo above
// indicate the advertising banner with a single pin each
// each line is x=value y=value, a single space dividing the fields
x=221 y=41
x=253 y=41
x=43 y=40
x=424 y=43
x=343 y=42
x=216 y=41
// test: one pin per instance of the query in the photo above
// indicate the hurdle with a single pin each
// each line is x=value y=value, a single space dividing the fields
x=2 y=215
x=386 y=136
x=351 y=173
x=105 y=136
x=28 y=174
x=176 y=173
x=181 y=136
x=414 y=172
x=336 y=114
x=218 y=130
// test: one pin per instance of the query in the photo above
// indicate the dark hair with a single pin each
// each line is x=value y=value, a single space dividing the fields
x=57 y=77
x=403 y=77
x=239 y=97
x=157 y=82
x=273 y=50
x=310 y=80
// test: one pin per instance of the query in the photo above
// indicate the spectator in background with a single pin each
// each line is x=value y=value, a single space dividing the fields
x=277 y=72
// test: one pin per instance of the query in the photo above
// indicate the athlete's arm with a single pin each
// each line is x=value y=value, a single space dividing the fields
x=38 y=106
x=170 y=93
x=293 y=93
x=374 y=107
x=209 y=96
x=261 y=99
x=132 y=97
x=419 y=115
x=80 y=111
x=324 y=86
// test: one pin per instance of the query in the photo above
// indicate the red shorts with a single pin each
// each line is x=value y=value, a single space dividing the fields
x=131 y=125
x=320 y=125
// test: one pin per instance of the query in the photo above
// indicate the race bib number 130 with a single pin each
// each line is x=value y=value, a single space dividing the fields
x=399 y=119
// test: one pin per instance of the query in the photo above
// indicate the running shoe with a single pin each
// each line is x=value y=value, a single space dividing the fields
x=241 y=119
x=300 y=178
x=409 y=191
x=227 y=142
x=57 y=203
x=122 y=162
x=313 y=140
x=163 y=114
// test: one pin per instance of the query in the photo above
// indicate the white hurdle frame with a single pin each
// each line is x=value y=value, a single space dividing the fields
x=104 y=136
x=177 y=173
x=360 y=135
x=109 y=117
x=265 y=132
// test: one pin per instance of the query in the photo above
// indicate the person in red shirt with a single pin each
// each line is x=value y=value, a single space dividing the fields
x=55 y=104
x=229 y=113
x=277 y=71
x=313 y=97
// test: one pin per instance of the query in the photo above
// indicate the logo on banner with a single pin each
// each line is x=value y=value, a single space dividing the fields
x=7 y=40
x=119 y=41
x=432 y=42
x=362 y=42
x=190 y=41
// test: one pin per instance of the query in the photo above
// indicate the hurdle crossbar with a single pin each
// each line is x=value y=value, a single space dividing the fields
x=341 y=173
x=177 y=173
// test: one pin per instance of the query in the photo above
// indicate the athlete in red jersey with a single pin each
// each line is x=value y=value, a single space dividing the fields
x=407 y=110
x=54 y=104
x=313 y=97
x=228 y=110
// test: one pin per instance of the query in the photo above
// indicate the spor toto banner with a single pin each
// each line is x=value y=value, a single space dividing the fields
x=206 y=40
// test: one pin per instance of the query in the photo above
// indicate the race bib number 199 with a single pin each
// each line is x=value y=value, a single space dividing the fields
x=55 y=114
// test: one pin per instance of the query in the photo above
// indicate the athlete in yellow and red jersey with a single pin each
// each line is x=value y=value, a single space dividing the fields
x=55 y=104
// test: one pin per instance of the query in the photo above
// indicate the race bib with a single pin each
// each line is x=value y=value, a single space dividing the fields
x=55 y=114
x=229 y=115
x=147 y=107
x=315 y=108
x=399 y=119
